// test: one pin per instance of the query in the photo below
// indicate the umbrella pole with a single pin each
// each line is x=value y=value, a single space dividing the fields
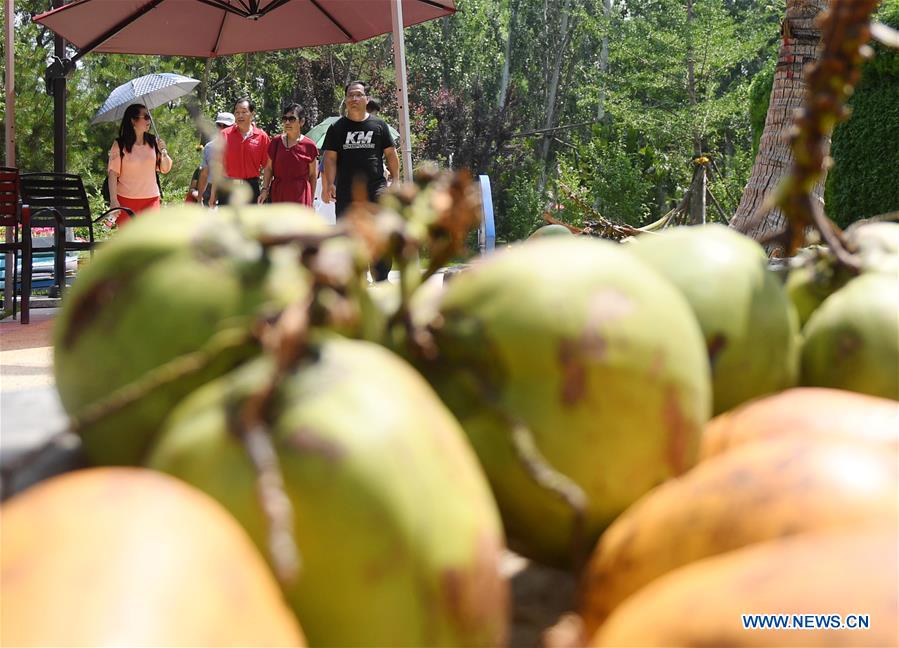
x=10 y=121
x=152 y=121
x=10 y=137
x=402 y=94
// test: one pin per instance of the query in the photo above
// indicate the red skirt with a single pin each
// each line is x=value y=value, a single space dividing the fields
x=296 y=190
x=136 y=205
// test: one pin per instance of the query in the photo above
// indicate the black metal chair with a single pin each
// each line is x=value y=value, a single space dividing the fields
x=16 y=216
x=58 y=200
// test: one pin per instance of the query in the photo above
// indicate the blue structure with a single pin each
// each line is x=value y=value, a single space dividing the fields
x=487 y=230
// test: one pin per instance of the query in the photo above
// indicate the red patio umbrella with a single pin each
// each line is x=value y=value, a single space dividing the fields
x=220 y=27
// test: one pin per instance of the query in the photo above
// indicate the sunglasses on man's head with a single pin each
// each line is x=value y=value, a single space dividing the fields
x=289 y=118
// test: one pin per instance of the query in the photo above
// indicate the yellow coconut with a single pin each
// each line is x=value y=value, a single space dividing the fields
x=132 y=557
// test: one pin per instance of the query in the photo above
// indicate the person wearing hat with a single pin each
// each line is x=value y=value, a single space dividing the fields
x=222 y=121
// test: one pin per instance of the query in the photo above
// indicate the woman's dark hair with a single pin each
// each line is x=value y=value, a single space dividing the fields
x=373 y=105
x=251 y=106
x=294 y=109
x=127 y=137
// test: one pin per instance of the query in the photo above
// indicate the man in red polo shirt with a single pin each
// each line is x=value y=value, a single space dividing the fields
x=246 y=150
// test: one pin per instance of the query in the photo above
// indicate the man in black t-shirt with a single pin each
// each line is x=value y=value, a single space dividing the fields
x=355 y=149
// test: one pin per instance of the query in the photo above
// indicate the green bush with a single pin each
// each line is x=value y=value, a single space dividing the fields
x=518 y=206
x=865 y=149
x=611 y=177
x=863 y=181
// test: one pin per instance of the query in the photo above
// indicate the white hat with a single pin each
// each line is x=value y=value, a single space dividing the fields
x=224 y=118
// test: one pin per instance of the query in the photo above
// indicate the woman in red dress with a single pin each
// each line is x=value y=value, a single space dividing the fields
x=291 y=171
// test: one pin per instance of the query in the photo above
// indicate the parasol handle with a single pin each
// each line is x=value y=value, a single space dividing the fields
x=153 y=124
x=152 y=121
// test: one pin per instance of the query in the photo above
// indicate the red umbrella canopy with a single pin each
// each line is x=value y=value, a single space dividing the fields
x=221 y=27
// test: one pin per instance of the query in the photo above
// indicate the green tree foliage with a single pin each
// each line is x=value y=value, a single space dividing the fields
x=622 y=135
x=520 y=205
x=538 y=94
x=649 y=95
x=613 y=176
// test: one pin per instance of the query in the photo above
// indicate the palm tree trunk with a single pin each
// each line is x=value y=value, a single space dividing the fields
x=800 y=45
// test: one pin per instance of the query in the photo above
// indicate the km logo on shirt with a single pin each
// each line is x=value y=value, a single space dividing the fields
x=359 y=139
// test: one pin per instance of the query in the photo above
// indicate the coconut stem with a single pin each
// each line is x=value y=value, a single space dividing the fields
x=845 y=28
x=547 y=477
x=286 y=341
x=833 y=239
x=410 y=281
x=305 y=240
x=438 y=219
x=275 y=503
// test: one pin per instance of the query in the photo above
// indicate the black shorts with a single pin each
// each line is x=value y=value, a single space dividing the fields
x=342 y=203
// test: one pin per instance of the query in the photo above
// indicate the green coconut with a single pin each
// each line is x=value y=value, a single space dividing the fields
x=173 y=283
x=815 y=273
x=813 y=277
x=852 y=341
x=877 y=245
x=594 y=354
x=553 y=229
x=399 y=537
x=750 y=326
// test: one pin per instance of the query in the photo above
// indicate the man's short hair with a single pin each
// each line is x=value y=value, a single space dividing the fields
x=346 y=88
x=251 y=105
x=373 y=105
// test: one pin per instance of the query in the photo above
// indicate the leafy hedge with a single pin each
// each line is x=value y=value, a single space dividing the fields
x=862 y=182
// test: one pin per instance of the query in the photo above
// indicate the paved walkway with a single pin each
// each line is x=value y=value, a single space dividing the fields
x=26 y=354
x=30 y=412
